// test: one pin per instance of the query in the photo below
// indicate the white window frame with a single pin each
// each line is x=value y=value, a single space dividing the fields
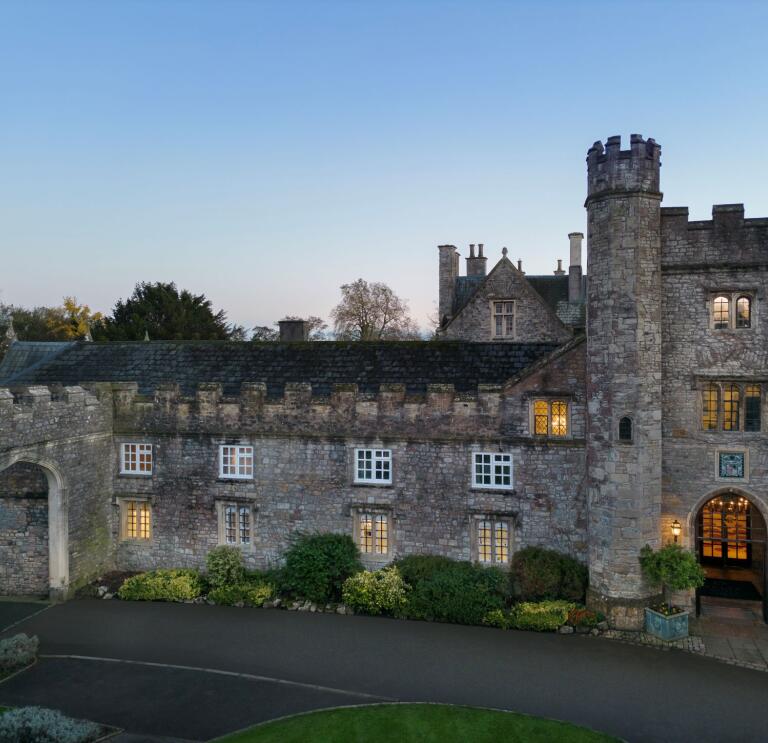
x=241 y=469
x=494 y=460
x=240 y=509
x=142 y=503
x=130 y=465
x=376 y=552
x=377 y=456
x=494 y=524
x=504 y=315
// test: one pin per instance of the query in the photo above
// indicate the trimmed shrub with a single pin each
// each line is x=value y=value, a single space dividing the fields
x=248 y=594
x=541 y=574
x=224 y=566
x=17 y=651
x=498 y=618
x=671 y=568
x=163 y=585
x=446 y=590
x=317 y=565
x=377 y=592
x=40 y=725
x=542 y=616
x=581 y=617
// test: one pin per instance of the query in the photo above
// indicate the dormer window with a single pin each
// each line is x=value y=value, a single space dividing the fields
x=550 y=417
x=503 y=318
x=731 y=310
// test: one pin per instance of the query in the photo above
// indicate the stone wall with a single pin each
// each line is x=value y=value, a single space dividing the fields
x=304 y=449
x=23 y=545
x=62 y=435
x=534 y=320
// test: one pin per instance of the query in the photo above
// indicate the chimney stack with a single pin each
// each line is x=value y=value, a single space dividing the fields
x=448 y=273
x=520 y=266
x=476 y=263
x=574 y=270
x=559 y=270
x=294 y=330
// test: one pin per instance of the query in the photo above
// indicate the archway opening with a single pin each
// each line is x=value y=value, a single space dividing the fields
x=731 y=547
x=34 y=545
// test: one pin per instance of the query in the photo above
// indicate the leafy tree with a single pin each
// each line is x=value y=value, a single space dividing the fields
x=165 y=313
x=372 y=312
x=31 y=324
x=72 y=320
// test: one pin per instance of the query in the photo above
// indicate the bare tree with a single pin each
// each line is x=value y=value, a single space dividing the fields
x=372 y=312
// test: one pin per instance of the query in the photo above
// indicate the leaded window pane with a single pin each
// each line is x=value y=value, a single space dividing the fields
x=501 y=538
x=230 y=525
x=245 y=525
x=559 y=418
x=752 y=405
x=484 y=547
x=743 y=312
x=730 y=407
x=541 y=417
x=721 y=312
x=709 y=407
x=366 y=533
x=382 y=534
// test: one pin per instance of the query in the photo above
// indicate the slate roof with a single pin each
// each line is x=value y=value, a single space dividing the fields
x=323 y=364
x=29 y=355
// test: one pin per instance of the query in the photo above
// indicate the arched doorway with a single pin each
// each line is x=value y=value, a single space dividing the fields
x=34 y=543
x=731 y=547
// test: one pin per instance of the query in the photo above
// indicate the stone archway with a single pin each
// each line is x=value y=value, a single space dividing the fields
x=28 y=482
x=729 y=532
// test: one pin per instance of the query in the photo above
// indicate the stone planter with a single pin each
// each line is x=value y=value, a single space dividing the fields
x=673 y=627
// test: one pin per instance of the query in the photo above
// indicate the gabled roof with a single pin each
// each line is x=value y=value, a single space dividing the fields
x=28 y=355
x=322 y=364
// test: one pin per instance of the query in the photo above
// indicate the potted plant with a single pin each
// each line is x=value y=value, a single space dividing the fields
x=671 y=568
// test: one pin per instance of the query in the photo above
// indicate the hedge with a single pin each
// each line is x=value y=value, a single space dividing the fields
x=163 y=585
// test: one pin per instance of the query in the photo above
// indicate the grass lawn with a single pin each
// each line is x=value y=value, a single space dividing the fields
x=425 y=723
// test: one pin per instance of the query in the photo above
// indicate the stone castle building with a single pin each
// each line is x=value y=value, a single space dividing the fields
x=588 y=414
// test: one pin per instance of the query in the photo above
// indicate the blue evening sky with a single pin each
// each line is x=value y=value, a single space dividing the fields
x=266 y=152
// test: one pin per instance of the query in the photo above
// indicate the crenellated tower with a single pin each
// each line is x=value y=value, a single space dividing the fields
x=623 y=372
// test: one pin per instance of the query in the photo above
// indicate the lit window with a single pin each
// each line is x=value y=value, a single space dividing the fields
x=136 y=459
x=730 y=407
x=493 y=542
x=503 y=319
x=491 y=470
x=709 y=407
x=373 y=533
x=721 y=312
x=135 y=519
x=550 y=418
x=743 y=312
x=236 y=462
x=235 y=524
x=752 y=404
x=373 y=465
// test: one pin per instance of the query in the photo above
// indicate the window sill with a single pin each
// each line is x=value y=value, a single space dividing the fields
x=135 y=540
x=229 y=478
x=499 y=491
x=136 y=475
x=367 y=484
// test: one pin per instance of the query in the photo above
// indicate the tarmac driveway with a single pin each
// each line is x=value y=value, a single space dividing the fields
x=199 y=671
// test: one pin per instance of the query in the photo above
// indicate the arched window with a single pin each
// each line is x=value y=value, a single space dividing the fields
x=721 y=310
x=743 y=312
x=625 y=429
x=730 y=407
x=709 y=407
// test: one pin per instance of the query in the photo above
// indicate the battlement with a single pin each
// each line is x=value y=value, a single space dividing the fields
x=726 y=238
x=441 y=409
x=30 y=415
x=613 y=170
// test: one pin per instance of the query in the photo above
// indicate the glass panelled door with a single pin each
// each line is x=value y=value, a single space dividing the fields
x=725 y=529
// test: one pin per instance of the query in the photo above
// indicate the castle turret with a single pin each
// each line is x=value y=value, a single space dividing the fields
x=623 y=372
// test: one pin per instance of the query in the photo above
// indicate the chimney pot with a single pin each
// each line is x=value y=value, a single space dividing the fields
x=559 y=270
x=471 y=250
x=480 y=250
x=294 y=330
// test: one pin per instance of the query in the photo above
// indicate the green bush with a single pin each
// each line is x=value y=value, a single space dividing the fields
x=498 y=618
x=541 y=574
x=248 y=594
x=224 y=566
x=541 y=616
x=671 y=567
x=317 y=565
x=17 y=651
x=378 y=592
x=446 y=590
x=163 y=585
x=40 y=725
